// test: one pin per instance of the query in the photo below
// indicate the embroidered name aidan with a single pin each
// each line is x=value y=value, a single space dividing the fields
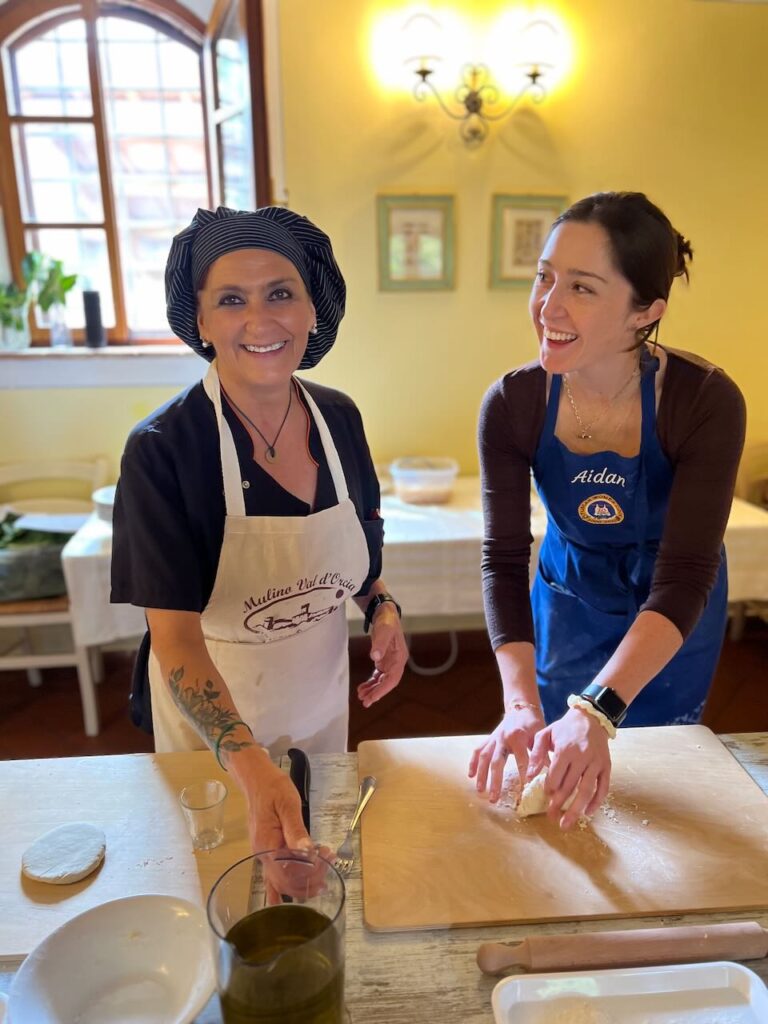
x=599 y=476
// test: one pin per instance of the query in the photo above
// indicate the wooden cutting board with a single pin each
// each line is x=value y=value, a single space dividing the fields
x=685 y=829
x=134 y=799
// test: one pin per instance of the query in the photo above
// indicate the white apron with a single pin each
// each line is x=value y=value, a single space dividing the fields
x=275 y=625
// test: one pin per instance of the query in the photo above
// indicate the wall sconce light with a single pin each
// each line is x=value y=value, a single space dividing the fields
x=476 y=101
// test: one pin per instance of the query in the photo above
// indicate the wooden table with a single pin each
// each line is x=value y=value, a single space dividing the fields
x=414 y=976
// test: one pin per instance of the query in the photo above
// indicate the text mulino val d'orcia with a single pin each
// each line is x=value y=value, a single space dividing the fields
x=302 y=585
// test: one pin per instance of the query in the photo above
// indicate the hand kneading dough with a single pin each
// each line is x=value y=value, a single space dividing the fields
x=533 y=799
x=65 y=854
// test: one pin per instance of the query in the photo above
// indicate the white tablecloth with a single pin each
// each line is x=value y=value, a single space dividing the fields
x=86 y=561
x=431 y=563
x=432 y=552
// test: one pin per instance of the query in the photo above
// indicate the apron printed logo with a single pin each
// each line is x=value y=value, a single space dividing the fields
x=276 y=625
x=600 y=476
x=601 y=508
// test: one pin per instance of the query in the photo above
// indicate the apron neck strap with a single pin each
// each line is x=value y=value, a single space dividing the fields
x=334 y=462
x=648 y=366
x=552 y=405
x=230 y=464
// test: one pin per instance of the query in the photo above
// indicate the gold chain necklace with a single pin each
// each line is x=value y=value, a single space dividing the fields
x=585 y=429
x=270 y=453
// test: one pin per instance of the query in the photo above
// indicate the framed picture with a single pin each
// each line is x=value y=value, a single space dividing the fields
x=416 y=243
x=518 y=228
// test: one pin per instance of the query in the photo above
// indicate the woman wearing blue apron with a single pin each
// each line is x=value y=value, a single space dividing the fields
x=247 y=516
x=634 y=451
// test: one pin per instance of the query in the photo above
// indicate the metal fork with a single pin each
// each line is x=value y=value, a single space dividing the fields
x=345 y=855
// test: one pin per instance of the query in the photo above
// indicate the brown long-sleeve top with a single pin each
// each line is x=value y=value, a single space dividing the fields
x=700 y=425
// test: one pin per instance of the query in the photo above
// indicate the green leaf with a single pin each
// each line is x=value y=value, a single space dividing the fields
x=32 y=266
x=53 y=283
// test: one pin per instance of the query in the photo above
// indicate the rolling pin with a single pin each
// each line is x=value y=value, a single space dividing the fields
x=738 y=940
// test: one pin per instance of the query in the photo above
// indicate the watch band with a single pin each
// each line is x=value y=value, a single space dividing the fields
x=606 y=701
x=373 y=604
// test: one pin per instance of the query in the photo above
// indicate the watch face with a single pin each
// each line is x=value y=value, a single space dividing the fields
x=606 y=700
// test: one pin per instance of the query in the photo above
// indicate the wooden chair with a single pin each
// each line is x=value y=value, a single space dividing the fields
x=55 y=478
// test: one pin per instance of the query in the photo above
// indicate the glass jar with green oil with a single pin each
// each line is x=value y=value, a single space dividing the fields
x=278 y=919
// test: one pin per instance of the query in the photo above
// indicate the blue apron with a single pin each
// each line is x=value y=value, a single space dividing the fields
x=605 y=517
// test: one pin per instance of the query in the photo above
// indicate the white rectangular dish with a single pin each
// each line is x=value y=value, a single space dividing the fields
x=713 y=993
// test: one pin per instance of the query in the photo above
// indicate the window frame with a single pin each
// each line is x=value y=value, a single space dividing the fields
x=251 y=16
x=23 y=20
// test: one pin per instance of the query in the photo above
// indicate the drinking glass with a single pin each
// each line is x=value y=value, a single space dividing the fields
x=203 y=806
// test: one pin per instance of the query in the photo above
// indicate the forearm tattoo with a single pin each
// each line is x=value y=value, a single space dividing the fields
x=200 y=708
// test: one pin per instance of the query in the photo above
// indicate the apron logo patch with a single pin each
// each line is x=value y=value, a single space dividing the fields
x=601 y=508
x=308 y=604
x=275 y=627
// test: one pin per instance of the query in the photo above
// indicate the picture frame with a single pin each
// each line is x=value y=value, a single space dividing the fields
x=519 y=227
x=416 y=242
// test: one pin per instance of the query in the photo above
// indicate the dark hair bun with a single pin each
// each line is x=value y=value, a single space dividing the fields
x=684 y=256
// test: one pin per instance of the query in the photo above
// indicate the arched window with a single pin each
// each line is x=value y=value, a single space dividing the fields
x=104 y=146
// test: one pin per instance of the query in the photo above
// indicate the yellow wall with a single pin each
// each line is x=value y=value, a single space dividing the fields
x=69 y=423
x=667 y=96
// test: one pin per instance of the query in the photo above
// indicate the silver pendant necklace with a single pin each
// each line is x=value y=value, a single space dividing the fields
x=270 y=453
x=585 y=429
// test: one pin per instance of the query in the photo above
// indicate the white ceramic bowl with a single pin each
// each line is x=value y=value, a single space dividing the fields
x=139 y=959
x=104 y=500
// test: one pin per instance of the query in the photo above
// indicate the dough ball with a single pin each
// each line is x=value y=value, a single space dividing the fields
x=533 y=799
x=65 y=854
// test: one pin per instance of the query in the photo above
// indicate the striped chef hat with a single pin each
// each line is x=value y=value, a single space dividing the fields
x=214 y=233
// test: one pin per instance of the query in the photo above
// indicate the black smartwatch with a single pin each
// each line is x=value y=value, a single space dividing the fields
x=607 y=701
x=373 y=604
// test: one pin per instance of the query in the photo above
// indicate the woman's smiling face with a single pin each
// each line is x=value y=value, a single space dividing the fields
x=255 y=309
x=581 y=305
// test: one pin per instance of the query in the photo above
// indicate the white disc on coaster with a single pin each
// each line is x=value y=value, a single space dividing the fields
x=65 y=854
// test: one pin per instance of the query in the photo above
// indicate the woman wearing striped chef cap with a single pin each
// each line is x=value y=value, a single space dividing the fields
x=247 y=514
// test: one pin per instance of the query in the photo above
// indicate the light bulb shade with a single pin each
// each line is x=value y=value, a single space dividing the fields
x=422 y=41
x=522 y=44
x=539 y=45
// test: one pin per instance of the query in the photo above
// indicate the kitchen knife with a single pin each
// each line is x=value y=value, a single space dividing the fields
x=301 y=777
x=733 y=940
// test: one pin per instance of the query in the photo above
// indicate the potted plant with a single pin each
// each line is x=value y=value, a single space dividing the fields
x=14 y=327
x=53 y=285
x=44 y=283
x=15 y=302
